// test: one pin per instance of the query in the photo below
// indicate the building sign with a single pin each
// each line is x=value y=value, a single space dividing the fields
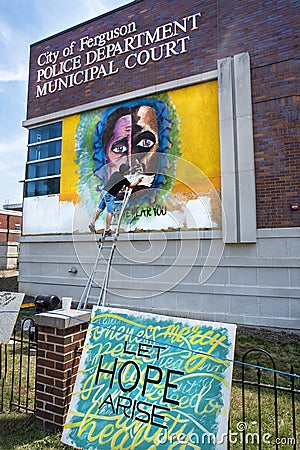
x=95 y=57
x=10 y=303
x=151 y=382
x=98 y=60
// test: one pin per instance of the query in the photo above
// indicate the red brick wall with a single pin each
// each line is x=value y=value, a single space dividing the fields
x=8 y=232
x=58 y=359
x=276 y=162
x=3 y=228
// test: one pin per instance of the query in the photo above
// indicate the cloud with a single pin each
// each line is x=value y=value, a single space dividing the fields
x=17 y=74
x=13 y=53
x=5 y=31
x=12 y=168
x=13 y=152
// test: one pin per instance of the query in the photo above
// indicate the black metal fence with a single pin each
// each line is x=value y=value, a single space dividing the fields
x=267 y=415
x=18 y=368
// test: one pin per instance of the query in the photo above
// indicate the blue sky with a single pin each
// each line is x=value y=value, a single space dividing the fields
x=23 y=22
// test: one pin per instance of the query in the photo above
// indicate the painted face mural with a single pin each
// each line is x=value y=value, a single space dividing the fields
x=136 y=133
x=131 y=138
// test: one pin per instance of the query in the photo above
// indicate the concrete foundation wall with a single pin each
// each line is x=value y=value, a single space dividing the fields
x=184 y=274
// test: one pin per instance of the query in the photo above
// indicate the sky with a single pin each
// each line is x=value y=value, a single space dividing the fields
x=24 y=22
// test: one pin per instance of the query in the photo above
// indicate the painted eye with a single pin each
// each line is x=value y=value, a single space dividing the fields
x=119 y=149
x=145 y=143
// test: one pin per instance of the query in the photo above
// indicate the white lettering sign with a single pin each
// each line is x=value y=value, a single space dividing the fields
x=95 y=57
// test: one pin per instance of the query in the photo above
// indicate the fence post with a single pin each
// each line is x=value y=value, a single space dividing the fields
x=61 y=337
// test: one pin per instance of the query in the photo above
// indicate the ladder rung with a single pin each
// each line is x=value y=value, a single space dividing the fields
x=93 y=298
x=108 y=240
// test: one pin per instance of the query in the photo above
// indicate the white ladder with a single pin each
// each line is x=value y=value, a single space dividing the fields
x=107 y=246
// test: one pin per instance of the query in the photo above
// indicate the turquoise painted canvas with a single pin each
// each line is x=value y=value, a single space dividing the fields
x=151 y=382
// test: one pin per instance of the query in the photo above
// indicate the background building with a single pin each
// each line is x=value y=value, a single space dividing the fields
x=208 y=96
x=10 y=232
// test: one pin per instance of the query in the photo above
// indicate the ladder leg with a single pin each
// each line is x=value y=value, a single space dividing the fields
x=102 y=296
x=85 y=294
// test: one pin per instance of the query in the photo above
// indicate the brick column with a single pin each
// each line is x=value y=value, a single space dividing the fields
x=61 y=337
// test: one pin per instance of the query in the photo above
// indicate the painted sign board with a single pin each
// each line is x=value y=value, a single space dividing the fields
x=148 y=381
x=10 y=303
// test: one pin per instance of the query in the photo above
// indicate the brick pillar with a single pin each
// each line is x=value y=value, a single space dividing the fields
x=61 y=337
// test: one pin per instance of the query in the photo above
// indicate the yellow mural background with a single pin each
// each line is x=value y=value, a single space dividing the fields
x=69 y=176
x=197 y=109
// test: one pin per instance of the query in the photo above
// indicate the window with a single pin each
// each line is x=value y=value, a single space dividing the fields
x=45 y=133
x=43 y=160
x=43 y=169
x=42 y=151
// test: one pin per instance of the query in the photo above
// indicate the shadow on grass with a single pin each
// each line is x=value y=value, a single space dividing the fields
x=20 y=431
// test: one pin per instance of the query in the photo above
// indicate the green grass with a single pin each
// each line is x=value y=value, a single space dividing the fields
x=19 y=431
x=284 y=349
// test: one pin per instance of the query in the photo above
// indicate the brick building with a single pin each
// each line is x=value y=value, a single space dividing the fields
x=10 y=232
x=214 y=86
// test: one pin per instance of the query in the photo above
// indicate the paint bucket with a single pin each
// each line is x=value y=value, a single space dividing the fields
x=66 y=302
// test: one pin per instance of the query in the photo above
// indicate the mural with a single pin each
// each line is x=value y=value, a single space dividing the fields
x=170 y=139
x=142 y=134
x=151 y=382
